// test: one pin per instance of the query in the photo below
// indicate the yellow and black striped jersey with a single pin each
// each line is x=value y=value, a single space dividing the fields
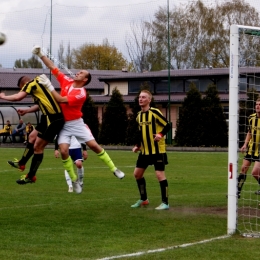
x=42 y=97
x=254 y=129
x=150 y=123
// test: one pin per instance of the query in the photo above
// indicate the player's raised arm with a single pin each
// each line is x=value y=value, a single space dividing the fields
x=49 y=64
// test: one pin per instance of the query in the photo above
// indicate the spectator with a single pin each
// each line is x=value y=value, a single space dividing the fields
x=6 y=131
x=29 y=128
x=19 y=130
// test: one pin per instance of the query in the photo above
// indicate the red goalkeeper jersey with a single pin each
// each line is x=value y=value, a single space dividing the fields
x=76 y=98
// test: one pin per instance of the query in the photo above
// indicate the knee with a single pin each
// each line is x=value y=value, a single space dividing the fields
x=138 y=175
x=79 y=164
x=255 y=173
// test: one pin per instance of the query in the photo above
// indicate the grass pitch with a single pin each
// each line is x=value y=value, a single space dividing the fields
x=43 y=221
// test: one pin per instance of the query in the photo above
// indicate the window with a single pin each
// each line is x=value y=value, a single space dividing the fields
x=204 y=83
x=223 y=85
x=254 y=82
x=242 y=82
x=188 y=82
x=163 y=87
x=135 y=86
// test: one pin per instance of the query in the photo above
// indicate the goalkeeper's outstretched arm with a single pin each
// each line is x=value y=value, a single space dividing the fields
x=48 y=63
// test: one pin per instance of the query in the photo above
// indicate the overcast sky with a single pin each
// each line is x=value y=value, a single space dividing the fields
x=27 y=22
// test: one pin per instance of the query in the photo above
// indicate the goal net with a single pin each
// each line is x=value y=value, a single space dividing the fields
x=244 y=86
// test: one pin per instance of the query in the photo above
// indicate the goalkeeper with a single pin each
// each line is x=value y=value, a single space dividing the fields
x=72 y=98
x=251 y=146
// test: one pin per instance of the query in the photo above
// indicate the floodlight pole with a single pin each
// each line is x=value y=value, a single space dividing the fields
x=51 y=35
x=169 y=134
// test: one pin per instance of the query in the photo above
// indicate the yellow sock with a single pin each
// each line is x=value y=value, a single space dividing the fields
x=68 y=165
x=107 y=160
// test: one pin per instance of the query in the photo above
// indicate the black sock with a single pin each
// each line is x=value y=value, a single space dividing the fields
x=240 y=182
x=36 y=161
x=164 y=191
x=142 y=188
x=28 y=152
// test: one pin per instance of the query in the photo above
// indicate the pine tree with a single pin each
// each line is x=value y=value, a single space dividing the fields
x=215 y=130
x=189 y=130
x=90 y=116
x=114 y=124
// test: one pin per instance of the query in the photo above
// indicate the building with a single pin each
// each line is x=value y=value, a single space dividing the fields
x=128 y=83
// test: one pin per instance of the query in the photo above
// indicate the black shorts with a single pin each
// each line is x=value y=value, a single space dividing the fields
x=251 y=158
x=158 y=160
x=50 y=126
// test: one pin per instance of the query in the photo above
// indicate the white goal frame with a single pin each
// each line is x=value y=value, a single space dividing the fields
x=233 y=144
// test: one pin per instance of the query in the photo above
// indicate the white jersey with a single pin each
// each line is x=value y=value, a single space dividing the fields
x=74 y=144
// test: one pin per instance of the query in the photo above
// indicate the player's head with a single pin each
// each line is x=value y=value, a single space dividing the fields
x=147 y=92
x=22 y=81
x=145 y=98
x=257 y=105
x=83 y=76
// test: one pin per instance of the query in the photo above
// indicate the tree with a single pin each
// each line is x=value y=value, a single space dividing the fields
x=33 y=62
x=61 y=59
x=98 y=57
x=114 y=124
x=215 y=130
x=90 y=116
x=143 y=51
x=189 y=129
x=199 y=35
x=68 y=57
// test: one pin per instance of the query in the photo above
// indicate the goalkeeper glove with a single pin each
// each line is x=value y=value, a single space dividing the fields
x=37 y=51
x=42 y=79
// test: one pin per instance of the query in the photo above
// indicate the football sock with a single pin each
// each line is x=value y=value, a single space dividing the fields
x=240 y=181
x=80 y=172
x=68 y=179
x=36 y=161
x=107 y=160
x=27 y=154
x=142 y=188
x=68 y=165
x=164 y=191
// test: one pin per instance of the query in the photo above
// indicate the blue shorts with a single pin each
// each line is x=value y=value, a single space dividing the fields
x=75 y=154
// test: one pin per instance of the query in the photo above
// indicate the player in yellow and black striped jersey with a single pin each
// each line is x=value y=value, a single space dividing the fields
x=251 y=146
x=151 y=122
x=152 y=128
x=50 y=124
x=41 y=96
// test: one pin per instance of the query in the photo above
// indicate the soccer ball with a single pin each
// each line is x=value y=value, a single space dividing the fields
x=2 y=38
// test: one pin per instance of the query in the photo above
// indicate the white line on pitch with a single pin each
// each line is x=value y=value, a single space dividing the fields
x=164 y=249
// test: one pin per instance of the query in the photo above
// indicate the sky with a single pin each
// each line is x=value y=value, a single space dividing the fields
x=27 y=22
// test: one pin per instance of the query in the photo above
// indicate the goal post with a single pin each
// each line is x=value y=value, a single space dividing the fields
x=236 y=31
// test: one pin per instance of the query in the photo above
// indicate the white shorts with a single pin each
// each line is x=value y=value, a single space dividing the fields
x=75 y=128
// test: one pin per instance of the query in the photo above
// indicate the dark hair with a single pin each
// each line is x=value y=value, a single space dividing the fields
x=19 y=81
x=89 y=79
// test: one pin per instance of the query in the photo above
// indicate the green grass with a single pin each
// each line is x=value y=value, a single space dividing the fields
x=43 y=221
